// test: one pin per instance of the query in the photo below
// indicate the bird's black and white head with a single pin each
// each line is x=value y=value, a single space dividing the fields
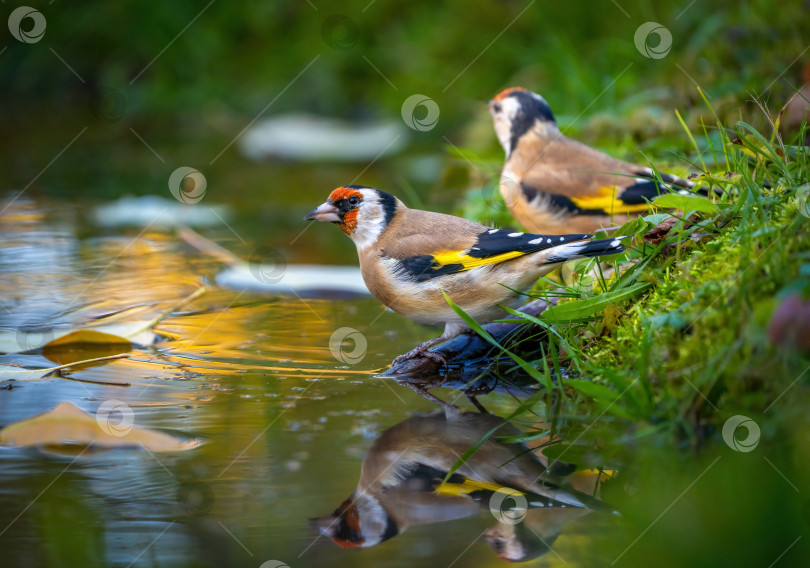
x=360 y=521
x=361 y=212
x=515 y=112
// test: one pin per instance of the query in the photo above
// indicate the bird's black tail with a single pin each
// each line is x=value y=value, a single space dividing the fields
x=585 y=249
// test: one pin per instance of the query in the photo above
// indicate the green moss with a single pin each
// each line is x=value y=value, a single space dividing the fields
x=701 y=309
x=694 y=348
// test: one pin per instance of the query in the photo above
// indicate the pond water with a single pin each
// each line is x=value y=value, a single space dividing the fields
x=285 y=425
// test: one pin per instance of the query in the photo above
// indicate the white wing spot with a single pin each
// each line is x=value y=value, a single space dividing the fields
x=562 y=238
x=548 y=241
x=615 y=242
x=514 y=234
x=474 y=248
x=493 y=231
x=535 y=241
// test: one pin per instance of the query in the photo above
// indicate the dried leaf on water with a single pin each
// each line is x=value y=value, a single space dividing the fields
x=15 y=373
x=68 y=425
x=107 y=331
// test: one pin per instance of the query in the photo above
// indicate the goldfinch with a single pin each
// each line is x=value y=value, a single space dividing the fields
x=409 y=256
x=556 y=185
x=401 y=478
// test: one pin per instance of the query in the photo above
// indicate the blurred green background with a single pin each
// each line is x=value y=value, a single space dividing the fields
x=115 y=96
x=189 y=76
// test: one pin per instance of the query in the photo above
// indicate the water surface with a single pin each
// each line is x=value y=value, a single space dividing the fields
x=286 y=425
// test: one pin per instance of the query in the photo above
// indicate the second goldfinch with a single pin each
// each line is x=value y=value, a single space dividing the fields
x=553 y=184
x=409 y=256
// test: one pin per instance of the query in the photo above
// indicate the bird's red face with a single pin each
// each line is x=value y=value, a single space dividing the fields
x=347 y=200
x=342 y=208
x=360 y=211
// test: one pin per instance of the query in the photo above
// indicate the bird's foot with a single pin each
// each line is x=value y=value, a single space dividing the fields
x=424 y=351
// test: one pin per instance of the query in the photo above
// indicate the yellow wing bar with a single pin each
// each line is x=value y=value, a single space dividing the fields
x=468 y=486
x=447 y=257
x=607 y=201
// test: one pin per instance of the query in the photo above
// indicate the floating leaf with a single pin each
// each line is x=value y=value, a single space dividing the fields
x=15 y=373
x=107 y=331
x=586 y=308
x=67 y=425
x=685 y=203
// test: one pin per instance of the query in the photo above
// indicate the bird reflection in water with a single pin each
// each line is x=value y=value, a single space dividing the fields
x=401 y=486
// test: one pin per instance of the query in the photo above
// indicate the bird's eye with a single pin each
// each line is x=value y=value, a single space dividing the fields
x=354 y=200
x=496 y=107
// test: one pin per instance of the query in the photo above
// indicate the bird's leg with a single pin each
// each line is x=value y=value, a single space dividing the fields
x=423 y=349
x=451 y=330
x=450 y=410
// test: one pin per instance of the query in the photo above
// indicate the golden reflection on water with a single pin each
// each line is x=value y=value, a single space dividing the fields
x=286 y=428
x=285 y=424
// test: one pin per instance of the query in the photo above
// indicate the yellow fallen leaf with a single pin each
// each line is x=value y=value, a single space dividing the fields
x=94 y=336
x=15 y=373
x=106 y=330
x=111 y=427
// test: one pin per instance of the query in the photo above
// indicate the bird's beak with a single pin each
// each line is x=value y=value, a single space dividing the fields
x=324 y=212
